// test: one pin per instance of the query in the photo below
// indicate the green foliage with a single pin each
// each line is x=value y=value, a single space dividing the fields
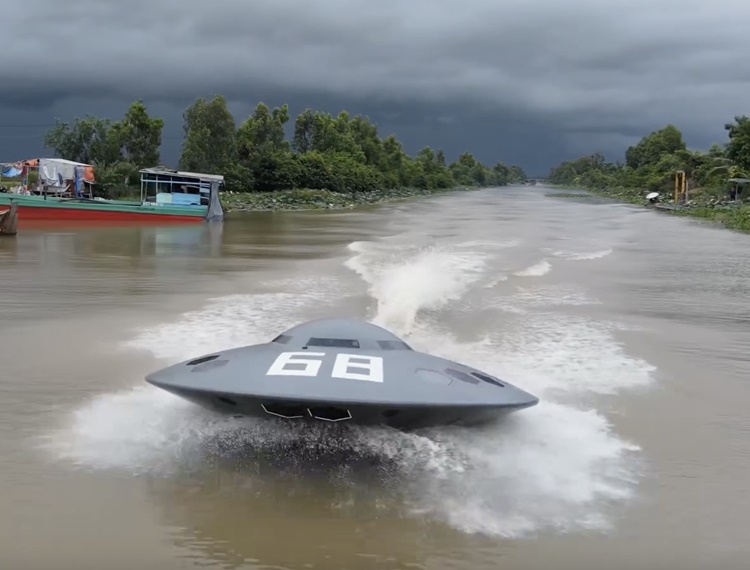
x=653 y=147
x=135 y=139
x=138 y=136
x=341 y=154
x=117 y=150
x=738 y=148
x=88 y=140
x=306 y=198
x=115 y=174
x=733 y=217
x=651 y=165
x=209 y=132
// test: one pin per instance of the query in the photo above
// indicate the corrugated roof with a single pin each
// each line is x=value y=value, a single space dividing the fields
x=66 y=161
x=184 y=174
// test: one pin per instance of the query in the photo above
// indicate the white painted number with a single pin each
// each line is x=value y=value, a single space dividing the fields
x=371 y=367
x=283 y=365
x=345 y=366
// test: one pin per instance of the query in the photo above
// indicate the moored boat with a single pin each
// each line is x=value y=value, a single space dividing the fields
x=56 y=208
x=166 y=196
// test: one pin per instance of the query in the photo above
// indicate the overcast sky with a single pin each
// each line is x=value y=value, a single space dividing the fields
x=530 y=82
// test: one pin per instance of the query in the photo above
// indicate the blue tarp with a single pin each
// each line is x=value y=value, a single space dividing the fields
x=79 y=181
x=11 y=172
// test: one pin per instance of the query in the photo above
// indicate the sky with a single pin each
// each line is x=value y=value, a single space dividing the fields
x=528 y=82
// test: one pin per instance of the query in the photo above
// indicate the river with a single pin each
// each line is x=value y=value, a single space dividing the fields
x=633 y=327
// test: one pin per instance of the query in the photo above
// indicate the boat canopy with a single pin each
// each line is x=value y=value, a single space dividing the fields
x=183 y=188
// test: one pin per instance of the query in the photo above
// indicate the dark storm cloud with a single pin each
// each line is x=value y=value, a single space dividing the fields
x=584 y=70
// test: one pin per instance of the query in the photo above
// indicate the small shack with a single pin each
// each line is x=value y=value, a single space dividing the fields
x=738 y=185
x=54 y=176
x=60 y=176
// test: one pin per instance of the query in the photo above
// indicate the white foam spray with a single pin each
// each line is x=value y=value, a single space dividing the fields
x=582 y=256
x=554 y=466
x=405 y=281
x=537 y=270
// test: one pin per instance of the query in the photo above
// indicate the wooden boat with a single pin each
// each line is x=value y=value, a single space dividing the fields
x=9 y=220
x=166 y=196
x=87 y=209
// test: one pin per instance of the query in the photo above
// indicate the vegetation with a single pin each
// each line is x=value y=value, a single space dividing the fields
x=329 y=161
x=117 y=150
x=651 y=166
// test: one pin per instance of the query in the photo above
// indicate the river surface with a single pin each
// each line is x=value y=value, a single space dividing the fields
x=633 y=327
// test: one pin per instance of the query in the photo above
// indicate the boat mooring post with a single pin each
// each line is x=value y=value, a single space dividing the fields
x=680 y=186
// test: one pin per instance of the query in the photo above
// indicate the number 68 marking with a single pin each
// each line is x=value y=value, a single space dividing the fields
x=346 y=366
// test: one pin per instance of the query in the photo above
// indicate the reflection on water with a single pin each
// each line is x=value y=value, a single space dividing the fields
x=215 y=527
x=61 y=266
x=354 y=500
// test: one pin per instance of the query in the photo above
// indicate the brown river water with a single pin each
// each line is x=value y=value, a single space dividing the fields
x=633 y=328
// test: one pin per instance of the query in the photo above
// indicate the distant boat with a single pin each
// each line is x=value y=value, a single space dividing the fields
x=166 y=196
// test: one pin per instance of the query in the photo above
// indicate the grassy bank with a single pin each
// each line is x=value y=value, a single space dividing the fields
x=703 y=204
x=305 y=199
x=299 y=199
x=733 y=217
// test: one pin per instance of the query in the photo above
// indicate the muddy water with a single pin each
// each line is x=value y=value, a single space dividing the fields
x=633 y=328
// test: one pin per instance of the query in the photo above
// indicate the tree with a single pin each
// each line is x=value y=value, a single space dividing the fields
x=502 y=174
x=365 y=136
x=516 y=174
x=341 y=153
x=262 y=134
x=654 y=146
x=304 y=131
x=209 y=144
x=652 y=163
x=738 y=148
x=139 y=136
x=88 y=140
x=263 y=150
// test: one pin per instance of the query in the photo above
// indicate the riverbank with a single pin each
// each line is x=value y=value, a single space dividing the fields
x=731 y=215
x=306 y=199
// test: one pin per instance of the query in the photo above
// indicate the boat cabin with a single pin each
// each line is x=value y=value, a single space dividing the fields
x=162 y=186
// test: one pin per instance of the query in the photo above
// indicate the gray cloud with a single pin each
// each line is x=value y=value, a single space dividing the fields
x=557 y=75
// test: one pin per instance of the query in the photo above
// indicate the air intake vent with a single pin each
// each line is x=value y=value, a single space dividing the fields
x=462 y=376
x=333 y=342
x=202 y=359
x=488 y=379
x=433 y=376
x=393 y=345
x=282 y=339
x=210 y=365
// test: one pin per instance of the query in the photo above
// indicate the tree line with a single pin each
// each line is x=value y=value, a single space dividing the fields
x=338 y=153
x=650 y=164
